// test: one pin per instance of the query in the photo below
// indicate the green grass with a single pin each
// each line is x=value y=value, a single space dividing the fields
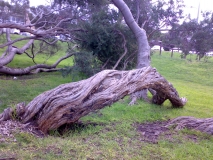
x=114 y=136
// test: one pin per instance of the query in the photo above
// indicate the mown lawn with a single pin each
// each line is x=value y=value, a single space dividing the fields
x=112 y=133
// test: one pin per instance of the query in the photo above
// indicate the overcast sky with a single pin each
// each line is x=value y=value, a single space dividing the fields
x=191 y=5
x=38 y=2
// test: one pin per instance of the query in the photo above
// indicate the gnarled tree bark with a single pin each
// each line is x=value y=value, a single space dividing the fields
x=67 y=103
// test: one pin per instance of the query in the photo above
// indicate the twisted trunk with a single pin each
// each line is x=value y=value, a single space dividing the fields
x=67 y=103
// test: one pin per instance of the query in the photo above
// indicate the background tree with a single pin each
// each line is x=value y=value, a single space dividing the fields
x=181 y=35
x=202 y=40
x=191 y=36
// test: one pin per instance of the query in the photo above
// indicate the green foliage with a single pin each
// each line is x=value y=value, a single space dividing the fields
x=85 y=65
x=192 y=36
x=103 y=38
x=44 y=48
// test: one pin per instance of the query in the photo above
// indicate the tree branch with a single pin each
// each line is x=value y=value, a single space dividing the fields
x=125 y=49
x=27 y=70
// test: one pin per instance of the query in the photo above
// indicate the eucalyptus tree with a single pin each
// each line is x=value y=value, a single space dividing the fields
x=67 y=103
x=148 y=15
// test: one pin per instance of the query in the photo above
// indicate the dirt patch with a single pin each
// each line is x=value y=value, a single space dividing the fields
x=152 y=132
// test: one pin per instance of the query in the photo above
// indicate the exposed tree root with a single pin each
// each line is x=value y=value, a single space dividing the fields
x=203 y=125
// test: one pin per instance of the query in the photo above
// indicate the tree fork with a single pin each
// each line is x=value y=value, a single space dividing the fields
x=69 y=102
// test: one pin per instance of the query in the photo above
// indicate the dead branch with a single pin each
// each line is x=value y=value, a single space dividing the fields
x=27 y=70
x=125 y=49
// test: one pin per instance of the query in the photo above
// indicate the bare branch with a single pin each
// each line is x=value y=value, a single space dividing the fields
x=27 y=70
x=131 y=56
x=17 y=40
x=8 y=35
x=13 y=51
x=22 y=28
x=106 y=63
x=125 y=49
x=33 y=56
x=146 y=21
x=4 y=54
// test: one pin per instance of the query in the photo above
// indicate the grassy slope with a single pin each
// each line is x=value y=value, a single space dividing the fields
x=115 y=137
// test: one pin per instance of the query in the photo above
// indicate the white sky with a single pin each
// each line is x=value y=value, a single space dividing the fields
x=39 y=2
x=191 y=5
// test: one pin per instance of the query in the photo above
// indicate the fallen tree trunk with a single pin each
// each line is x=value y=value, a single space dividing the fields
x=67 y=103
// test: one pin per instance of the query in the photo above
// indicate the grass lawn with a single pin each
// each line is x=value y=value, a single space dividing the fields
x=115 y=135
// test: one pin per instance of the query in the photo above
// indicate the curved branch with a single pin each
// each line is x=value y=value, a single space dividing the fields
x=27 y=70
x=125 y=50
x=17 y=40
x=13 y=51
x=128 y=59
x=22 y=28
